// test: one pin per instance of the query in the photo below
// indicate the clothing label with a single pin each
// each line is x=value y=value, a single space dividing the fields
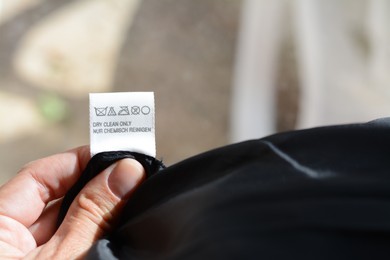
x=122 y=121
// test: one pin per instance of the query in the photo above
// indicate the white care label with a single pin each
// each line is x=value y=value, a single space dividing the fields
x=122 y=121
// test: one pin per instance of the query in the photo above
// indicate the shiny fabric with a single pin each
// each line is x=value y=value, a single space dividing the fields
x=321 y=193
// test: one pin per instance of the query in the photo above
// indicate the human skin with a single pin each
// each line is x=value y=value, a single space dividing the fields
x=30 y=202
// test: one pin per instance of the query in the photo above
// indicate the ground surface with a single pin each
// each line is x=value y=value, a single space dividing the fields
x=183 y=50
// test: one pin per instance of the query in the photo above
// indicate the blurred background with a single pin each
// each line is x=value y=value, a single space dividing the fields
x=222 y=70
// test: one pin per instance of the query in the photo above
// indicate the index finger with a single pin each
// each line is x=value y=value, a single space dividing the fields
x=25 y=196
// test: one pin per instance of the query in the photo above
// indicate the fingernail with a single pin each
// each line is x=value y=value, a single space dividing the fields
x=124 y=177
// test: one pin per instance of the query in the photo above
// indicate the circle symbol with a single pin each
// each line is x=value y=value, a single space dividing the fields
x=145 y=110
x=135 y=110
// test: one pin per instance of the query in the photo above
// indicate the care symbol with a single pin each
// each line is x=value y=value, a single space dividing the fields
x=111 y=112
x=100 y=111
x=145 y=110
x=124 y=111
x=135 y=110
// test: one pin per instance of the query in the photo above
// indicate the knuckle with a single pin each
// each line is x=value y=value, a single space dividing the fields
x=28 y=168
x=96 y=209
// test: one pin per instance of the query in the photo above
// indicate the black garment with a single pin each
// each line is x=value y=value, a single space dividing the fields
x=320 y=193
x=96 y=165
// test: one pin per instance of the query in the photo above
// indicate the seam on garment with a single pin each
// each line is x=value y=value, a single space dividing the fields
x=294 y=163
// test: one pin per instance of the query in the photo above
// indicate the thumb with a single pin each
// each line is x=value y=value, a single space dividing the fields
x=95 y=209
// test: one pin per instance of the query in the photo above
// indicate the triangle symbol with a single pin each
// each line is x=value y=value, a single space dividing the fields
x=111 y=112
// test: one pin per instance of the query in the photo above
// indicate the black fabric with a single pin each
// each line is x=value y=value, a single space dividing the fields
x=97 y=164
x=320 y=193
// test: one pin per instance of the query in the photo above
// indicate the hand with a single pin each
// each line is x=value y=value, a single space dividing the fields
x=29 y=204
